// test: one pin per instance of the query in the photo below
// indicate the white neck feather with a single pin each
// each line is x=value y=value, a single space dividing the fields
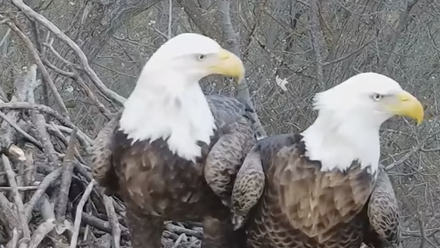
x=338 y=143
x=181 y=114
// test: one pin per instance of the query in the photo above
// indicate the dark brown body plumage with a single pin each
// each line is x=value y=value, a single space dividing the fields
x=157 y=185
x=304 y=207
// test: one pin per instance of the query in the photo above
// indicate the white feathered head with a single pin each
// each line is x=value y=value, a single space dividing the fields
x=350 y=115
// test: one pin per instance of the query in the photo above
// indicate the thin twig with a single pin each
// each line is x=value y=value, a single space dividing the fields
x=79 y=210
x=47 y=181
x=21 y=188
x=21 y=131
x=82 y=57
x=44 y=73
x=113 y=219
x=412 y=152
x=38 y=107
x=42 y=230
x=17 y=199
x=170 y=17
x=66 y=178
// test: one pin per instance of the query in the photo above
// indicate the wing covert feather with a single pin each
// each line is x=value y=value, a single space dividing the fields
x=248 y=187
x=101 y=152
x=383 y=210
x=236 y=139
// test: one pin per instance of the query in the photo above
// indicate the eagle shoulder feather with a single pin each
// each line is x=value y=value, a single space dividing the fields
x=248 y=187
x=383 y=214
x=101 y=152
x=227 y=154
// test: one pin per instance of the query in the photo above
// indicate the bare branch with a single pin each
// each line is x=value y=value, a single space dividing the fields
x=40 y=64
x=82 y=57
x=318 y=42
x=116 y=230
x=233 y=44
x=17 y=199
x=79 y=210
x=66 y=178
x=170 y=18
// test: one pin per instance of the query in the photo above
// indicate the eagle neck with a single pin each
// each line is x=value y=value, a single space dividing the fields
x=177 y=112
x=337 y=144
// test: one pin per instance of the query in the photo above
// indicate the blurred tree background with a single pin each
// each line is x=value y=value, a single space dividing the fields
x=83 y=57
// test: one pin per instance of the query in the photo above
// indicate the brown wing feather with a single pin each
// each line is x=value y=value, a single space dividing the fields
x=248 y=187
x=227 y=154
x=383 y=214
x=101 y=152
x=225 y=158
x=316 y=201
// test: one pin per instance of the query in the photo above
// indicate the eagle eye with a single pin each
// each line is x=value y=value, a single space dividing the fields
x=201 y=56
x=376 y=97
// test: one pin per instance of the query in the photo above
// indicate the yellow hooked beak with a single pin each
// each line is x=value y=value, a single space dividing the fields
x=228 y=64
x=407 y=105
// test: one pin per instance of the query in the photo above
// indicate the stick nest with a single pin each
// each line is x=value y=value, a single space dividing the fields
x=48 y=197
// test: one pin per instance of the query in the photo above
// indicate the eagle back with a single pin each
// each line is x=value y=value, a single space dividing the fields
x=313 y=201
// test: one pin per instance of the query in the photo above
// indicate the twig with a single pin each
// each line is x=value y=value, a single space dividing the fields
x=48 y=148
x=21 y=86
x=14 y=240
x=180 y=230
x=21 y=131
x=21 y=188
x=170 y=17
x=17 y=199
x=83 y=138
x=58 y=55
x=42 y=230
x=5 y=37
x=181 y=237
x=233 y=44
x=82 y=57
x=74 y=75
x=318 y=42
x=412 y=152
x=66 y=178
x=113 y=219
x=101 y=224
x=8 y=215
x=47 y=212
x=58 y=134
x=44 y=73
x=39 y=122
x=38 y=107
x=92 y=96
x=47 y=181
x=29 y=171
x=79 y=210
x=58 y=70
x=41 y=51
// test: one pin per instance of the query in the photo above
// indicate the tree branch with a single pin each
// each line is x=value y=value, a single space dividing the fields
x=82 y=57
x=233 y=44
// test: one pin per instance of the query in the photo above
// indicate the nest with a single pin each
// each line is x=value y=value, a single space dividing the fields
x=48 y=197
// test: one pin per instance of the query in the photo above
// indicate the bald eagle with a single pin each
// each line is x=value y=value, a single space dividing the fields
x=173 y=153
x=324 y=187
